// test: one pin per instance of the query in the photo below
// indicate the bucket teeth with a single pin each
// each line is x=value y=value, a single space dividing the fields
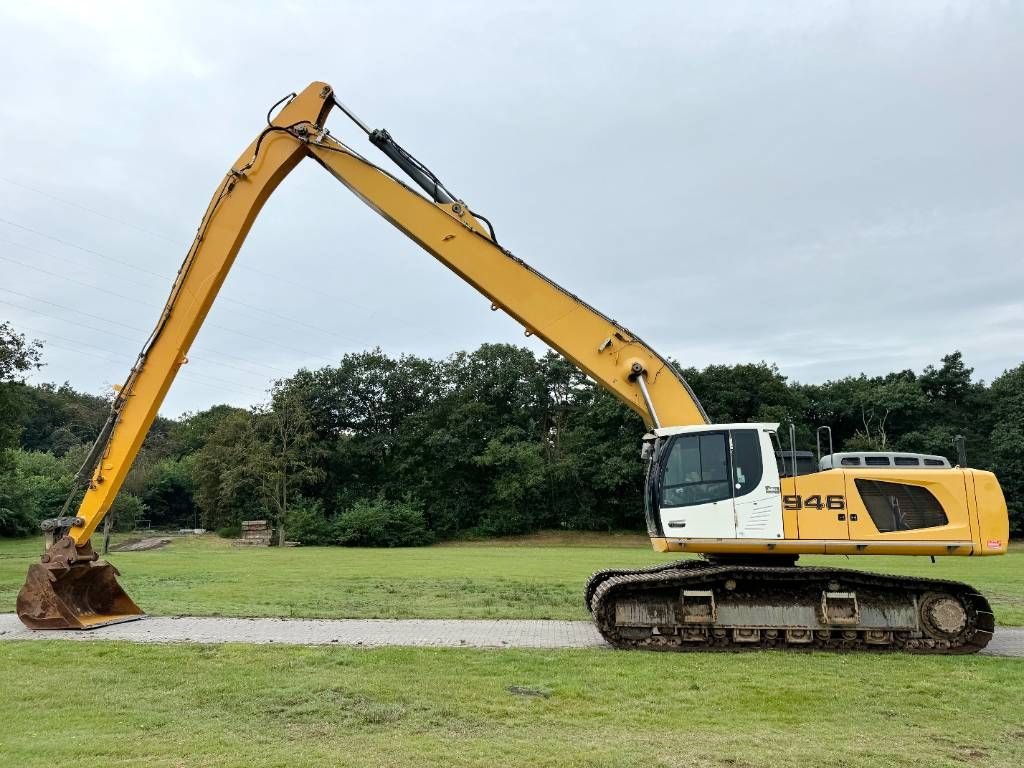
x=68 y=590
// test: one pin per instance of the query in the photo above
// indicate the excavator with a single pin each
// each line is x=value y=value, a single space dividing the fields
x=715 y=490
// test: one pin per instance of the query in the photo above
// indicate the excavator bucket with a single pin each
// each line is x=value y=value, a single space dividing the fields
x=69 y=590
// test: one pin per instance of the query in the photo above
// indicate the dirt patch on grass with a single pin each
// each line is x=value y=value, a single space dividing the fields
x=966 y=753
x=1007 y=599
x=559 y=539
x=141 y=545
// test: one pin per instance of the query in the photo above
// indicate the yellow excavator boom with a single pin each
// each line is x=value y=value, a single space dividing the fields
x=443 y=226
x=601 y=347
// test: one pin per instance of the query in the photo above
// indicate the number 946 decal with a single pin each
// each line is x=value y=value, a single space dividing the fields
x=814 y=502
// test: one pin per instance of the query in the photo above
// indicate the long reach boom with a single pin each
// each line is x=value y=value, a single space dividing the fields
x=442 y=224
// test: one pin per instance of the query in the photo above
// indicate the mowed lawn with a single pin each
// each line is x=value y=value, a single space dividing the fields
x=536 y=577
x=202 y=706
x=118 y=704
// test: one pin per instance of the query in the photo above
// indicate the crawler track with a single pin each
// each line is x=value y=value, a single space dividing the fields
x=694 y=605
x=599 y=577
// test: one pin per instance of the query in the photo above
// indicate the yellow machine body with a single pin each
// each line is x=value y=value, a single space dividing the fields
x=971 y=499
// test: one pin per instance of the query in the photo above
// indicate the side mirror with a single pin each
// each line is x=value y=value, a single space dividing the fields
x=648 y=446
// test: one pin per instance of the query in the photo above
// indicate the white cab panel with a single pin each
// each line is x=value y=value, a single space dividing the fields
x=759 y=511
x=719 y=482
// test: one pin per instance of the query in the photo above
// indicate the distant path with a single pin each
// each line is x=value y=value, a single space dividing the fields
x=432 y=633
x=454 y=633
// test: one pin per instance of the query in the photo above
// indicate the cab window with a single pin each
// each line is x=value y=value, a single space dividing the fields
x=696 y=471
x=746 y=461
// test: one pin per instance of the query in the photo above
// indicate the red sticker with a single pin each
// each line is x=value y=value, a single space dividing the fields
x=995 y=544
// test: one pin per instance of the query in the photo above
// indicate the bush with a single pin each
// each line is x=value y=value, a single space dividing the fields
x=307 y=525
x=168 y=494
x=126 y=511
x=230 y=531
x=383 y=523
x=34 y=488
x=18 y=515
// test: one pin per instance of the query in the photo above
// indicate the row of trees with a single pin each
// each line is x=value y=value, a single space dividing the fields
x=406 y=450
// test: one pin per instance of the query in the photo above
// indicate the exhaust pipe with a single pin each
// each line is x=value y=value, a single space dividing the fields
x=68 y=589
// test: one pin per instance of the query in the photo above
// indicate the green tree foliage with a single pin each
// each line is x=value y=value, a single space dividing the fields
x=192 y=432
x=381 y=450
x=33 y=487
x=58 y=419
x=127 y=510
x=17 y=357
x=1007 y=440
x=283 y=450
x=382 y=523
x=747 y=392
x=169 y=494
x=228 y=488
x=307 y=523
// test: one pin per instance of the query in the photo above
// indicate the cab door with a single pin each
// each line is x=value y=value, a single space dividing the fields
x=696 y=493
x=757 y=496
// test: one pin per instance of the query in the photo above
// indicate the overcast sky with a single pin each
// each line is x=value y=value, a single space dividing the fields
x=835 y=187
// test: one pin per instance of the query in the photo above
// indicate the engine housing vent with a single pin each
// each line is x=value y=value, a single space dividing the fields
x=900 y=507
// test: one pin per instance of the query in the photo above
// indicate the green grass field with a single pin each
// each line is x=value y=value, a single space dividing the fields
x=537 y=577
x=110 y=704
x=171 y=706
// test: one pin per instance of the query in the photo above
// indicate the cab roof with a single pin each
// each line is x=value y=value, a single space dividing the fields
x=760 y=425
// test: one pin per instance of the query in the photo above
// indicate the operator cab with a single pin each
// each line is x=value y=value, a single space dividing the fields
x=717 y=481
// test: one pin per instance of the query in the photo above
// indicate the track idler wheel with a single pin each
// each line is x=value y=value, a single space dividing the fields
x=68 y=589
x=943 y=615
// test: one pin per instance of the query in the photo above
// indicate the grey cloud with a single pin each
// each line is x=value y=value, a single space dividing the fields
x=835 y=187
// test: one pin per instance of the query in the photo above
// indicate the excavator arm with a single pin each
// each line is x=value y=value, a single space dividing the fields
x=442 y=224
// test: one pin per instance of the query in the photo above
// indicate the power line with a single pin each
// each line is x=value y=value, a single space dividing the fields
x=63 y=256
x=130 y=265
x=91 y=287
x=81 y=207
x=142 y=330
x=70 y=309
x=82 y=248
x=79 y=344
x=263 y=311
x=285 y=347
x=307 y=288
x=189 y=377
x=162 y=236
x=245 y=267
x=106 y=332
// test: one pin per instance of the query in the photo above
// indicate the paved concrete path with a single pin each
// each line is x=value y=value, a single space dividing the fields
x=440 y=633
x=453 y=633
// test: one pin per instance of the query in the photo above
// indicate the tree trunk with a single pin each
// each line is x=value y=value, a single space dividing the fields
x=284 y=487
x=107 y=525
